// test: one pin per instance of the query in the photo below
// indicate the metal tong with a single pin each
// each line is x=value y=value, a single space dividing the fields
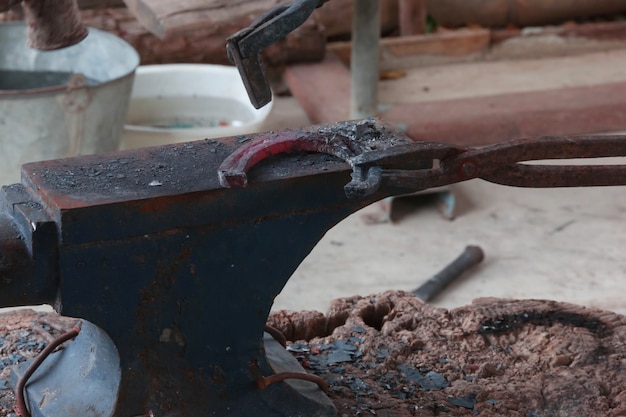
x=245 y=46
x=504 y=163
x=396 y=166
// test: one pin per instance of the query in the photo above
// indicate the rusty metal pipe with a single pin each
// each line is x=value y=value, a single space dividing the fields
x=364 y=60
x=52 y=24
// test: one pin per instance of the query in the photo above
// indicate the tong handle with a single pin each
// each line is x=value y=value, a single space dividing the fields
x=507 y=163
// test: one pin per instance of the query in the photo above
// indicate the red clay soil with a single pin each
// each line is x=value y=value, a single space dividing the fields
x=389 y=354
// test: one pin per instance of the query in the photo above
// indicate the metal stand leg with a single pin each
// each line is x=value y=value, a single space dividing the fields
x=364 y=61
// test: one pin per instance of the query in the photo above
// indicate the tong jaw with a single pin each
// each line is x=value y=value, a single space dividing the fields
x=244 y=47
x=250 y=70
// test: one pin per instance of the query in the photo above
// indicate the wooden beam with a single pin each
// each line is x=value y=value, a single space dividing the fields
x=451 y=43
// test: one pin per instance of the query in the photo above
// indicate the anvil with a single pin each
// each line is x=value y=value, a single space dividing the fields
x=173 y=270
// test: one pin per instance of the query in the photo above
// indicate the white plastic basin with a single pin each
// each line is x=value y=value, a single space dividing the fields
x=183 y=102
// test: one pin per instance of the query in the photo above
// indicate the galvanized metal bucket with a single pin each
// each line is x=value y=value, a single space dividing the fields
x=67 y=102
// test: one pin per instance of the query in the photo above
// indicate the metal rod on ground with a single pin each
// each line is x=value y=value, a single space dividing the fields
x=364 y=59
x=471 y=256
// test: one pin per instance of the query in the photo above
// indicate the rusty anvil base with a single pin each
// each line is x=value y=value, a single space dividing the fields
x=179 y=271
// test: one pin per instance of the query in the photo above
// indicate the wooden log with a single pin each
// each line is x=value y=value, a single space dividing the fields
x=166 y=18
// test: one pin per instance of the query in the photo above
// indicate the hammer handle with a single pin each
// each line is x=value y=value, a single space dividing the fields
x=471 y=256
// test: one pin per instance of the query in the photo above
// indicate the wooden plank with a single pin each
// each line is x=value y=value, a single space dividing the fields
x=491 y=119
x=451 y=43
x=601 y=31
x=322 y=89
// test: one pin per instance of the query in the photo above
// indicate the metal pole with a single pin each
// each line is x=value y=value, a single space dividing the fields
x=364 y=60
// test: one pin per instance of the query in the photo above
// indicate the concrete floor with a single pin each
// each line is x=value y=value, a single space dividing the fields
x=559 y=244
